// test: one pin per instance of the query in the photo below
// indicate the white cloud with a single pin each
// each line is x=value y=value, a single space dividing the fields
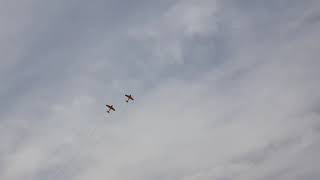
x=165 y=35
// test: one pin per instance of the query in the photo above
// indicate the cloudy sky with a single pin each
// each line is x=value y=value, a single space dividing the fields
x=225 y=89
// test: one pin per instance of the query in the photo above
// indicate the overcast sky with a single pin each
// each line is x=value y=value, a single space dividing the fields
x=225 y=89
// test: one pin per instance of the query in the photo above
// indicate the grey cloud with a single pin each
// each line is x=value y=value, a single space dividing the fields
x=225 y=90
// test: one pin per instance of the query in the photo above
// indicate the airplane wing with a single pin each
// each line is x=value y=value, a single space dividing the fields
x=129 y=96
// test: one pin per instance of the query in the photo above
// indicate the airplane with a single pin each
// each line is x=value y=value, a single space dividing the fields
x=129 y=97
x=110 y=108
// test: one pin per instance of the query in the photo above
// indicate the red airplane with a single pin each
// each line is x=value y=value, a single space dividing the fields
x=110 y=108
x=129 y=97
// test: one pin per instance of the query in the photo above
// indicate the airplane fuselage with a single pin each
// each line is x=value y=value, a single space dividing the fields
x=110 y=108
x=129 y=97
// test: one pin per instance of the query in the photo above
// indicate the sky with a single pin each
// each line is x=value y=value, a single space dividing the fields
x=224 y=89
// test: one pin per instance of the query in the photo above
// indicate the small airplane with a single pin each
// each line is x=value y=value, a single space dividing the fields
x=110 y=108
x=129 y=97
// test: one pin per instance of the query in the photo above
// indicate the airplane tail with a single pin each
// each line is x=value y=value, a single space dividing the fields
x=127 y=100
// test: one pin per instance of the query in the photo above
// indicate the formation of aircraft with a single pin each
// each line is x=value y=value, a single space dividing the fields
x=110 y=107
